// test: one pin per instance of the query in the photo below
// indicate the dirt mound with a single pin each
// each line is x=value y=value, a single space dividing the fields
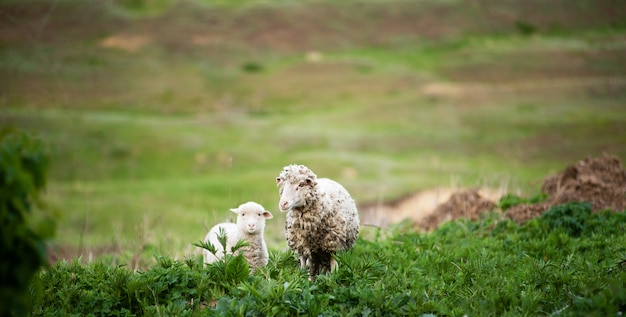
x=600 y=181
x=467 y=204
x=416 y=206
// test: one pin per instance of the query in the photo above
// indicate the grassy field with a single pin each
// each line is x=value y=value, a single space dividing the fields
x=161 y=115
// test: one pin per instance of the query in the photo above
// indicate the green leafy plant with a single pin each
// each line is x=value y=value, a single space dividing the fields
x=252 y=67
x=525 y=28
x=569 y=217
x=23 y=164
x=222 y=239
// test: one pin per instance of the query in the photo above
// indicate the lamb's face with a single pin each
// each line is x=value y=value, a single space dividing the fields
x=293 y=194
x=251 y=217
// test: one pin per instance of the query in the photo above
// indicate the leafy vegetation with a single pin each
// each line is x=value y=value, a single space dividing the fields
x=487 y=267
x=25 y=228
x=569 y=218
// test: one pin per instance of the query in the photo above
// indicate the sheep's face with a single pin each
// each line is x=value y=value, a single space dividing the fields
x=293 y=194
x=251 y=217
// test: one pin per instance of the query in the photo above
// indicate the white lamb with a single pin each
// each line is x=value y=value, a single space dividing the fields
x=250 y=227
x=321 y=219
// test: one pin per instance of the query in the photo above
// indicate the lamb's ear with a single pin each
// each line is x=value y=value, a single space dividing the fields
x=310 y=181
x=268 y=215
x=235 y=210
x=278 y=180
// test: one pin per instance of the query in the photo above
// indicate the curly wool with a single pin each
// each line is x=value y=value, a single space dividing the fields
x=327 y=222
x=256 y=252
x=295 y=173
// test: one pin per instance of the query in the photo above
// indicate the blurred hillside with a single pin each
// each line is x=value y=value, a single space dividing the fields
x=161 y=115
x=96 y=50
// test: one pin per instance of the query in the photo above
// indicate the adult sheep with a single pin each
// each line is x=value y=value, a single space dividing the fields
x=321 y=219
x=250 y=227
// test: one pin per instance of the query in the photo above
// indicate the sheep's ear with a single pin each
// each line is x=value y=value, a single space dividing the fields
x=278 y=180
x=310 y=181
x=268 y=215
x=235 y=210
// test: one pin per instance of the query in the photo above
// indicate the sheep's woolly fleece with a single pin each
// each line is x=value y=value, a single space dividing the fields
x=295 y=173
x=328 y=222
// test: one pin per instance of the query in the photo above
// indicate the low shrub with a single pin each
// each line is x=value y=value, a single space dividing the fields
x=23 y=164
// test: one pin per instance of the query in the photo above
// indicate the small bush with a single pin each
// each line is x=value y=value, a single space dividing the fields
x=525 y=28
x=23 y=164
x=570 y=217
x=252 y=67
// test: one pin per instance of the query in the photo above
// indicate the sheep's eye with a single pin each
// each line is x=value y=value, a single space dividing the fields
x=259 y=214
x=301 y=185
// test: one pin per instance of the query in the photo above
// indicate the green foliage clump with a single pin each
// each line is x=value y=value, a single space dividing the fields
x=570 y=217
x=23 y=164
x=485 y=267
x=173 y=288
x=509 y=200
x=525 y=28
x=142 y=7
x=252 y=67
x=576 y=219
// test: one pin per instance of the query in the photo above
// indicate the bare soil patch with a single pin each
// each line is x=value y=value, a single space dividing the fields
x=427 y=209
x=482 y=91
x=468 y=204
x=600 y=181
x=128 y=43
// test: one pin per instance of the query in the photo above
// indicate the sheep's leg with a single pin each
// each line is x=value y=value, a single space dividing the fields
x=305 y=261
x=314 y=270
x=320 y=262
x=333 y=264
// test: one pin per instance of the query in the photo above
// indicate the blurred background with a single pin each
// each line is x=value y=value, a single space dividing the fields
x=161 y=114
